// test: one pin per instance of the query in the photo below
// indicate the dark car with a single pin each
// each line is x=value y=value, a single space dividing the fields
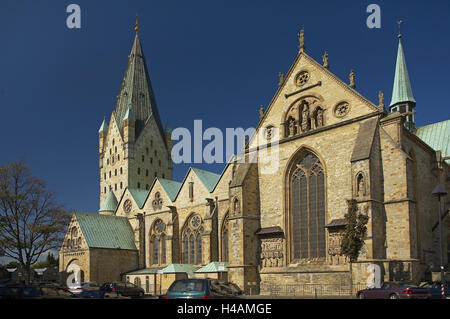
x=92 y=293
x=126 y=289
x=435 y=289
x=202 y=289
x=34 y=292
x=393 y=290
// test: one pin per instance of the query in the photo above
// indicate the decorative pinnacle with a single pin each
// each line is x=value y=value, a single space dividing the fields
x=381 y=99
x=325 y=60
x=399 y=23
x=301 y=39
x=136 y=28
x=352 y=79
x=281 y=78
x=261 y=112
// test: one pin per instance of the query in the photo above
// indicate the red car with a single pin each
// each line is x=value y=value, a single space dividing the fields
x=393 y=290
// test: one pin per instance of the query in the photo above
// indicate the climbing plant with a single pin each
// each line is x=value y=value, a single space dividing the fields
x=355 y=231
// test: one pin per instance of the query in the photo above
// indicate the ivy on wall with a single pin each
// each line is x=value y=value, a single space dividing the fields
x=353 y=238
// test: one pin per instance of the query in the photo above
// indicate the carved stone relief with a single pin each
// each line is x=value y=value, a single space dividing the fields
x=271 y=252
x=335 y=256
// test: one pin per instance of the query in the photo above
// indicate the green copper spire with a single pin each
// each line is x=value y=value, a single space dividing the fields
x=136 y=91
x=110 y=203
x=104 y=126
x=129 y=115
x=401 y=91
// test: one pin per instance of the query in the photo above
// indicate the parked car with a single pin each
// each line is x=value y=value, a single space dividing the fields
x=126 y=289
x=78 y=288
x=34 y=292
x=393 y=290
x=202 y=289
x=435 y=289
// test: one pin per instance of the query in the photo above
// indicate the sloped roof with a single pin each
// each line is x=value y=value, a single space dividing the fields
x=146 y=271
x=437 y=136
x=104 y=126
x=170 y=187
x=337 y=222
x=139 y=196
x=136 y=92
x=241 y=171
x=129 y=115
x=212 y=267
x=208 y=179
x=364 y=141
x=180 y=268
x=401 y=91
x=110 y=203
x=103 y=231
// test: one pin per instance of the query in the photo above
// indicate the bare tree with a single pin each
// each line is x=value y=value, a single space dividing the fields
x=31 y=221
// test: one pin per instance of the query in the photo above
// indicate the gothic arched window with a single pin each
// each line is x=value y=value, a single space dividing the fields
x=225 y=239
x=158 y=243
x=192 y=240
x=307 y=208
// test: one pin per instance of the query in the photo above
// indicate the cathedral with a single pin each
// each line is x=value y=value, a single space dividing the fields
x=269 y=229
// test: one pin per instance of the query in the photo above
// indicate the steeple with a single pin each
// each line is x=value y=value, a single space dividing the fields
x=103 y=127
x=136 y=91
x=109 y=205
x=402 y=97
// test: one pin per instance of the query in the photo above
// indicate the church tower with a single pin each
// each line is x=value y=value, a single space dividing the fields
x=134 y=148
x=402 y=97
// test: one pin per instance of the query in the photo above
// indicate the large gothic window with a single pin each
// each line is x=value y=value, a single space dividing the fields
x=307 y=208
x=192 y=240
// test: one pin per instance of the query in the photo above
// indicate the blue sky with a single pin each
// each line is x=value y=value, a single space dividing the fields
x=212 y=60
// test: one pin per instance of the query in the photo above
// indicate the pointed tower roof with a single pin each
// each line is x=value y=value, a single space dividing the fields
x=401 y=91
x=110 y=203
x=129 y=115
x=104 y=126
x=136 y=91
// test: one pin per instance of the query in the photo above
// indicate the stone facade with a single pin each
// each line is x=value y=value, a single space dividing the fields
x=248 y=216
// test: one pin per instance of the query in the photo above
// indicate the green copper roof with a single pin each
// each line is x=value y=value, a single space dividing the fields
x=103 y=231
x=170 y=187
x=129 y=115
x=136 y=91
x=437 y=136
x=212 y=267
x=180 y=268
x=147 y=271
x=104 y=126
x=401 y=91
x=110 y=203
x=139 y=196
x=208 y=179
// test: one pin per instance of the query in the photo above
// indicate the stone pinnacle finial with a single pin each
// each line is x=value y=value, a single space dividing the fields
x=136 y=28
x=352 y=79
x=399 y=22
x=261 y=112
x=301 y=39
x=380 y=100
x=325 y=60
x=281 y=77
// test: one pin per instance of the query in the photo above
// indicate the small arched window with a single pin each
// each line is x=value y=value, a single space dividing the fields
x=225 y=238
